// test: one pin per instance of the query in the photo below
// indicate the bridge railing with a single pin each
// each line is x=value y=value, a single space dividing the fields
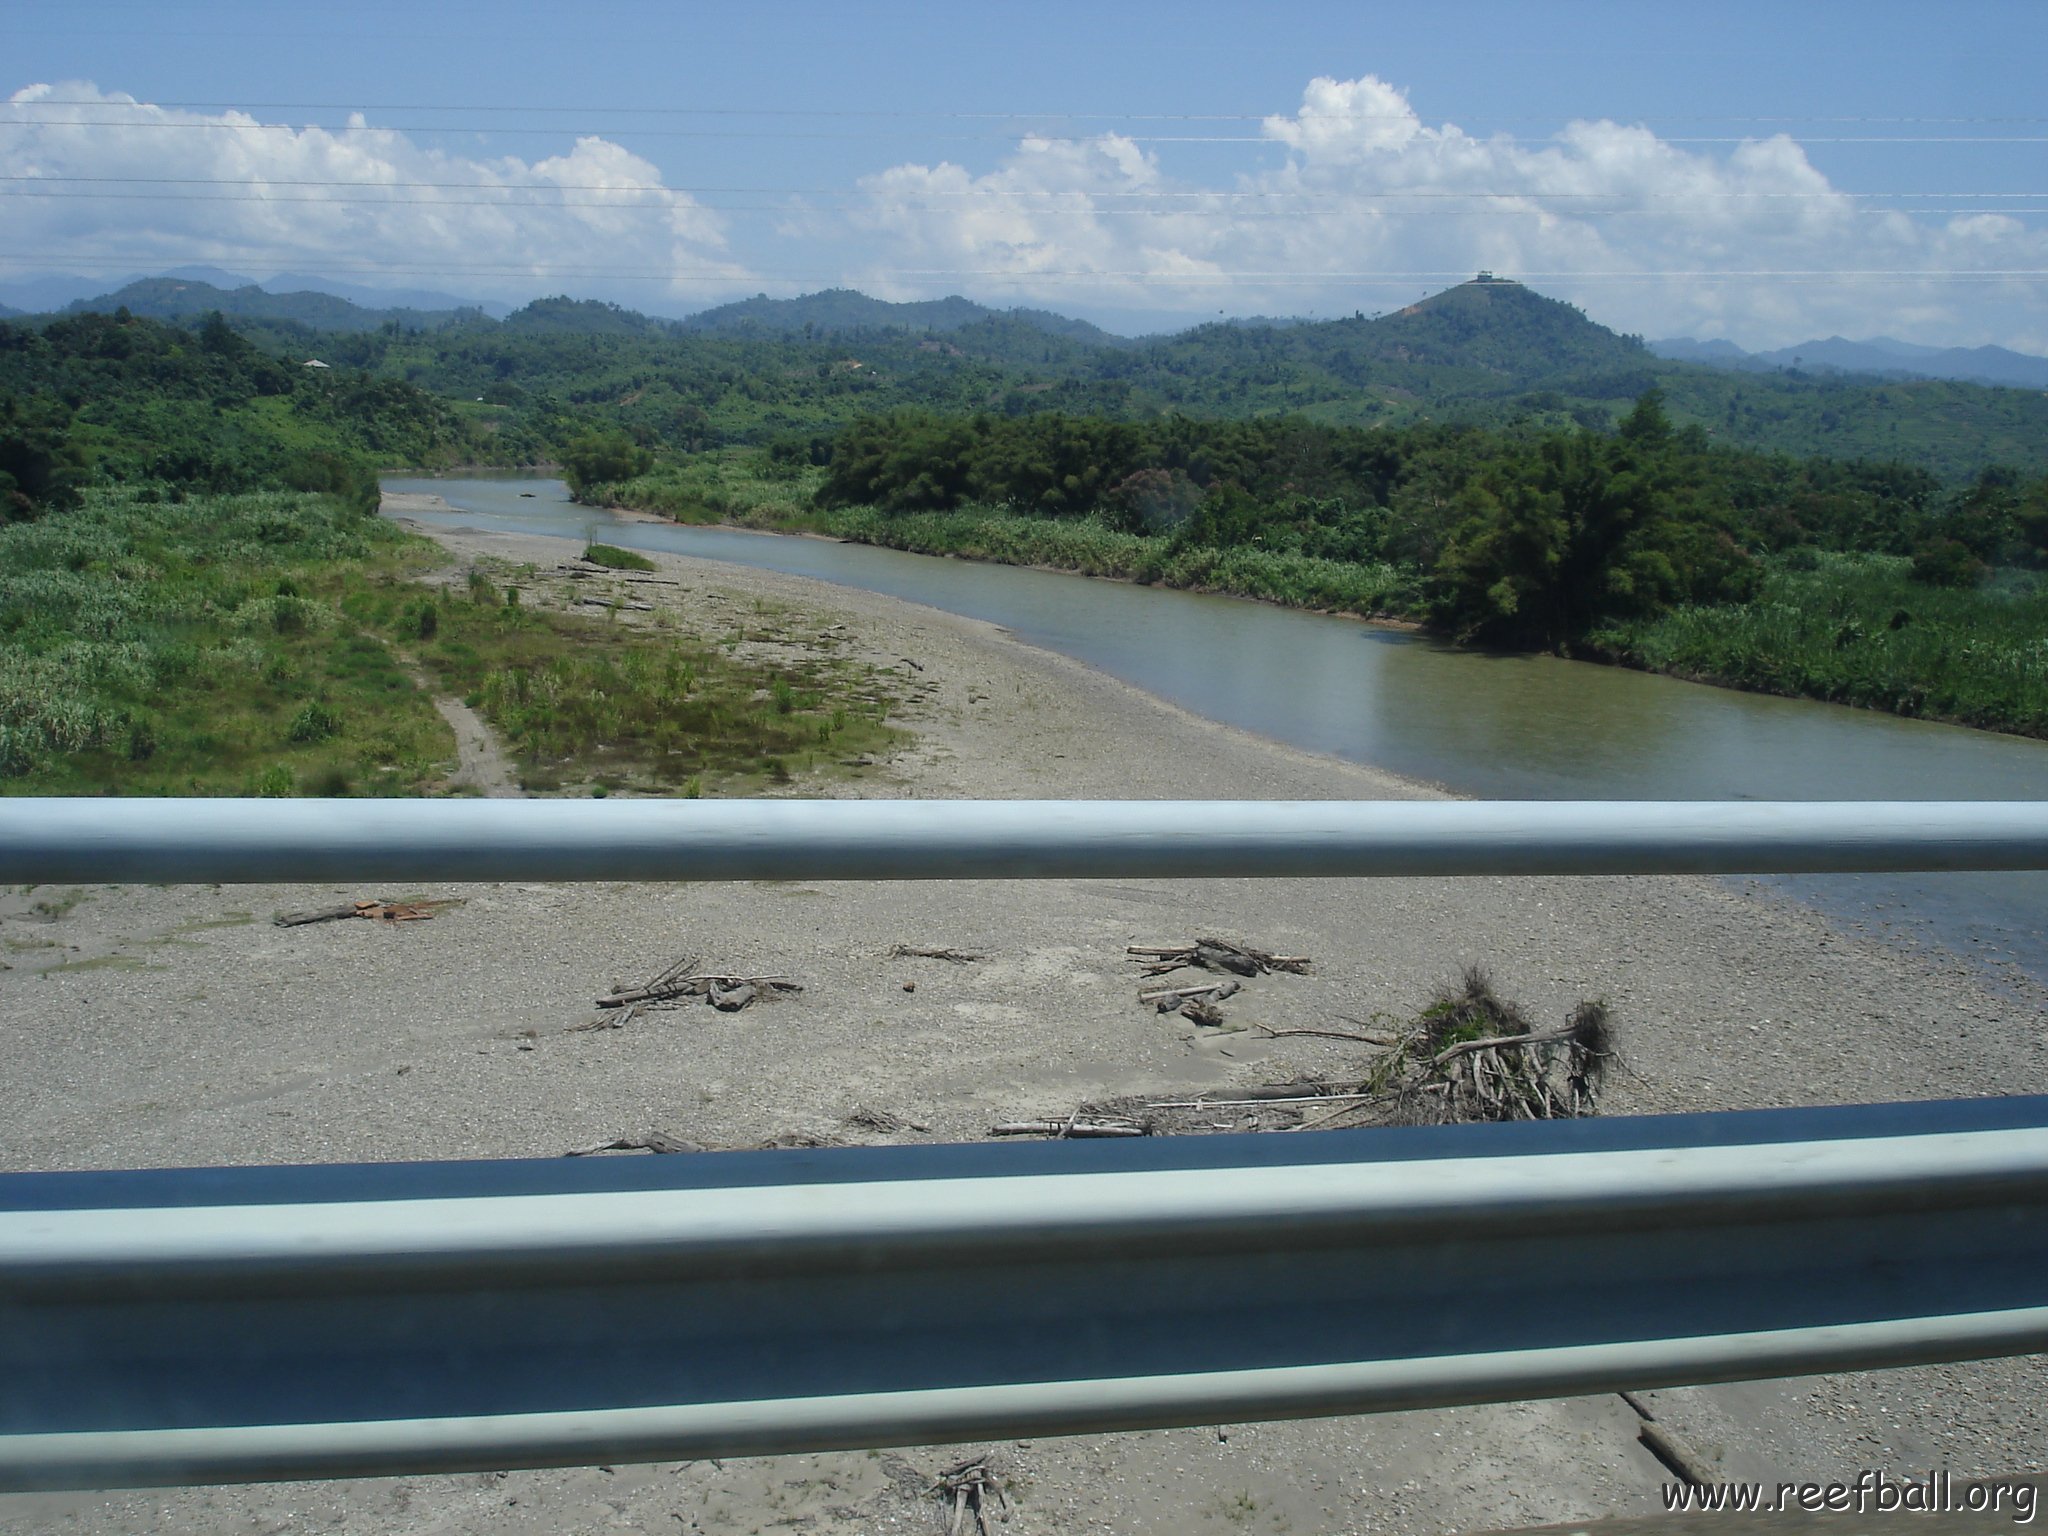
x=254 y=1323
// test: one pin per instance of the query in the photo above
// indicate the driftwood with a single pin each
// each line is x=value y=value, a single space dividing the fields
x=1357 y=1102
x=607 y=1021
x=1475 y=1056
x=1172 y=997
x=606 y=602
x=313 y=915
x=1468 y=1055
x=913 y=952
x=1385 y=1041
x=592 y=568
x=1277 y=1093
x=1212 y=954
x=668 y=983
x=375 y=911
x=970 y=1487
x=653 y=1141
x=1496 y=1042
x=1676 y=1454
x=727 y=993
x=866 y=1119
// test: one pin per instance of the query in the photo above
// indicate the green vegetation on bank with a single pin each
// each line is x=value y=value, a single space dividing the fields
x=203 y=646
x=613 y=558
x=1516 y=538
x=1859 y=629
x=595 y=701
x=1487 y=462
x=1649 y=545
x=195 y=598
x=1094 y=549
x=269 y=644
x=115 y=400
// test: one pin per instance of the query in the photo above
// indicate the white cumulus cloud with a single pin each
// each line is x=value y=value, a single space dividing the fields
x=97 y=179
x=1371 y=206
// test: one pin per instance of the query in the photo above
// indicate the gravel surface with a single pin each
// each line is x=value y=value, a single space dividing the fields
x=151 y=1026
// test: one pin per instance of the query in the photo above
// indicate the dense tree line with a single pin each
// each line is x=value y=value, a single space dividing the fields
x=1522 y=537
x=116 y=399
x=1490 y=354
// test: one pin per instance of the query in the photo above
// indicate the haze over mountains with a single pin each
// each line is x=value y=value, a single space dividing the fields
x=1880 y=355
x=51 y=294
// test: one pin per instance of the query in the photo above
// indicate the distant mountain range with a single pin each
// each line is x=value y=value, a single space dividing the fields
x=1486 y=352
x=288 y=296
x=329 y=305
x=1880 y=355
x=177 y=298
x=839 y=310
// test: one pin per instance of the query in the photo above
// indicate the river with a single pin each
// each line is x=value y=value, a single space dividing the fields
x=1499 y=727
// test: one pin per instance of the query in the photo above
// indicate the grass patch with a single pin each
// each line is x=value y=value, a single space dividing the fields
x=201 y=646
x=50 y=908
x=1085 y=545
x=736 y=486
x=1857 y=629
x=617 y=559
x=592 y=701
x=727 y=486
x=255 y=645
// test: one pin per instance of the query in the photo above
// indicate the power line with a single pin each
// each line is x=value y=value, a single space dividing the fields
x=992 y=116
x=546 y=274
x=947 y=138
x=1019 y=204
x=1147 y=193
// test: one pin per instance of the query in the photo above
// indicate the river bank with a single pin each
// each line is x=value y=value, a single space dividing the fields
x=1845 y=629
x=163 y=1027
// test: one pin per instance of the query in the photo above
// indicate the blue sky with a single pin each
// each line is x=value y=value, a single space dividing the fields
x=1765 y=172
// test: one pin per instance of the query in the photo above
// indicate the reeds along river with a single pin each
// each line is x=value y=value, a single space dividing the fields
x=1506 y=727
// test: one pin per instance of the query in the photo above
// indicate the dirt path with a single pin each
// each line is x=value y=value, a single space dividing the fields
x=168 y=1027
x=482 y=765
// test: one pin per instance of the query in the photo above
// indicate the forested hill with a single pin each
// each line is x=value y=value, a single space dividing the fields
x=173 y=298
x=840 y=311
x=1480 y=343
x=1492 y=353
x=1480 y=336
x=102 y=400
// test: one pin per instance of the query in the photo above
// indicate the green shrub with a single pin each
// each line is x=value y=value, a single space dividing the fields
x=617 y=559
x=314 y=722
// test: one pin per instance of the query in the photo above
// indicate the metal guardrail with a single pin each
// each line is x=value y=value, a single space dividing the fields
x=75 y=840
x=246 y=1324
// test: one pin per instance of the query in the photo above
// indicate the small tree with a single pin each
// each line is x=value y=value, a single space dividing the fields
x=1555 y=542
x=603 y=458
